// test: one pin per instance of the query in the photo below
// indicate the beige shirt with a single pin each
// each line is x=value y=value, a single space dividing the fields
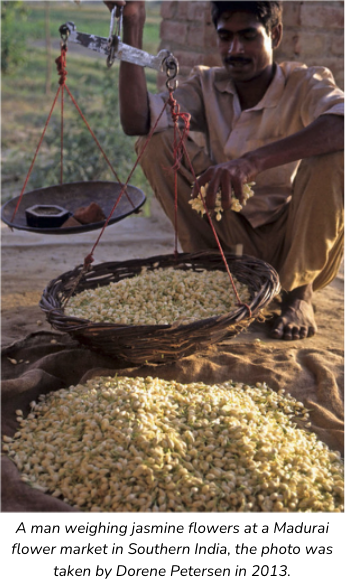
x=296 y=97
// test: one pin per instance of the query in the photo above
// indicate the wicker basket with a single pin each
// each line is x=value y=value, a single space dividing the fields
x=139 y=344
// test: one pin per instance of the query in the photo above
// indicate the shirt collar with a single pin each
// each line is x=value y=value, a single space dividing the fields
x=223 y=84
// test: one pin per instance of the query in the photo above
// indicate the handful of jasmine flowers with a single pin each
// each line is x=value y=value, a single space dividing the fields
x=197 y=203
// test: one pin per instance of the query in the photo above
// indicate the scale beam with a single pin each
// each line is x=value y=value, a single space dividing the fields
x=114 y=48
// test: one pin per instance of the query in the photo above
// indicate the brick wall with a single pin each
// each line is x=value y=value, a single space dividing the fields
x=313 y=34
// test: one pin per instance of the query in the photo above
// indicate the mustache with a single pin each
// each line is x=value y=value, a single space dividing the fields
x=236 y=60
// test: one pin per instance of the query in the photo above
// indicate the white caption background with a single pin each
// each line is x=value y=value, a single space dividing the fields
x=266 y=548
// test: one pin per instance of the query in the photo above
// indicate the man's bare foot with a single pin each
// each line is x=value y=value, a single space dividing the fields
x=297 y=319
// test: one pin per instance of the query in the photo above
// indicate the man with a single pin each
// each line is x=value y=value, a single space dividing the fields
x=280 y=126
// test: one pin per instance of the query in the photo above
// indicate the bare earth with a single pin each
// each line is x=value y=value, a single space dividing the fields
x=30 y=261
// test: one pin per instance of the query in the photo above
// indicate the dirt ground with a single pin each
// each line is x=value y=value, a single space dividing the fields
x=30 y=261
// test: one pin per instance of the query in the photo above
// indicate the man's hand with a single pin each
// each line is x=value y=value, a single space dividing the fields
x=226 y=177
x=324 y=135
x=133 y=97
x=111 y=5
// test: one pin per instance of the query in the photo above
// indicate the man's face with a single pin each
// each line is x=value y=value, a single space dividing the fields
x=244 y=44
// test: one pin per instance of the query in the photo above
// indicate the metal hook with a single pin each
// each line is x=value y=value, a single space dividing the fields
x=120 y=21
x=172 y=70
x=111 y=27
x=65 y=31
x=113 y=39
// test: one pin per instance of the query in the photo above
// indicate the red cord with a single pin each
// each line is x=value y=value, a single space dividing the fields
x=61 y=65
x=35 y=155
x=90 y=255
x=179 y=149
x=97 y=142
x=216 y=236
x=178 y=145
x=62 y=72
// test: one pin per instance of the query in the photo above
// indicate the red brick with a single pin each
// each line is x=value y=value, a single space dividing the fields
x=173 y=31
x=289 y=49
x=207 y=14
x=210 y=37
x=322 y=15
x=164 y=44
x=168 y=9
x=337 y=45
x=312 y=45
x=189 y=58
x=182 y=12
x=196 y=10
x=291 y=13
x=195 y=35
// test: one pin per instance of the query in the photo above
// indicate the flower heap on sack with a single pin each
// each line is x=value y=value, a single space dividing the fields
x=197 y=203
x=145 y=444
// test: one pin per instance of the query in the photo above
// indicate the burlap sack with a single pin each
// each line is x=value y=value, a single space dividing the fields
x=35 y=365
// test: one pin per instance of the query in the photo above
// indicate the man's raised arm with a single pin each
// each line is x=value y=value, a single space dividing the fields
x=133 y=95
x=324 y=135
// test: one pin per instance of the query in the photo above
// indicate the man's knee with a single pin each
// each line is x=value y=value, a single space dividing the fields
x=321 y=179
x=156 y=150
x=160 y=150
x=330 y=164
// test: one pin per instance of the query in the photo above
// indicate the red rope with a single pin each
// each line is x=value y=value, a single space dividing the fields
x=179 y=149
x=35 y=155
x=62 y=72
x=62 y=138
x=61 y=65
x=97 y=142
x=89 y=258
x=215 y=235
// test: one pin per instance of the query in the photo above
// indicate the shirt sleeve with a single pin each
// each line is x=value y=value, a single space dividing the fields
x=189 y=96
x=321 y=95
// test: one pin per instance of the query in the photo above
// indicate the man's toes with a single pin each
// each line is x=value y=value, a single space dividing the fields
x=278 y=331
x=290 y=332
x=311 y=332
x=284 y=330
x=304 y=333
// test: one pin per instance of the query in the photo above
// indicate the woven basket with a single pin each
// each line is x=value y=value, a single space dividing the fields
x=139 y=344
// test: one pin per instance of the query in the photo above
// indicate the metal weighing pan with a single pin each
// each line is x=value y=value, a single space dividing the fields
x=72 y=196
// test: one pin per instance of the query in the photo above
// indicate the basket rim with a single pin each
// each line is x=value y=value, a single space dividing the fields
x=54 y=294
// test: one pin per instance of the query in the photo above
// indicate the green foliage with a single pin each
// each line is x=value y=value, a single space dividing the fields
x=89 y=17
x=25 y=105
x=82 y=159
x=13 y=42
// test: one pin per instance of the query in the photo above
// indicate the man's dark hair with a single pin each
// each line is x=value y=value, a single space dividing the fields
x=268 y=13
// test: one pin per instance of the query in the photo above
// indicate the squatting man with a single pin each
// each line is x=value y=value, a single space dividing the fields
x=278 y=125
